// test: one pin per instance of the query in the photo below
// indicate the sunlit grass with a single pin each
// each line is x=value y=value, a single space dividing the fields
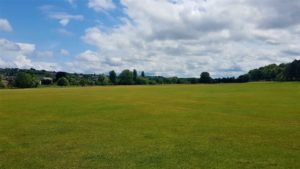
x=255 y=125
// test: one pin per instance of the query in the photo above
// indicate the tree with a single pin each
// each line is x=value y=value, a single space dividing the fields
x=255 y=75
x=205 y=78
x=103 y=80
x=292 y=71
x=126 y=77
x=63 y=82
x=2 y=86
x=143 y=74
x=142 y=80
x=243 y=78
x=60 y=75
x=135 y=75
x=113 y=77
x=25 y=80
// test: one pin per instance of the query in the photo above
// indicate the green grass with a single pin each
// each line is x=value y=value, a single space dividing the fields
x=255 y=125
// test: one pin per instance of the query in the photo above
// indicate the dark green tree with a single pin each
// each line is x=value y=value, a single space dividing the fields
x=63 y=82
x=126 y=77
x=25 y=80
x=113 y=77
x=142 y=81
x=103 y=80
x=2 y=86
x=60 y=75
x=255 y=75
x=83 y=82
x=205 y=78
x=243 y=78
x=143 y=74
x=292 y=71
x=135 y=75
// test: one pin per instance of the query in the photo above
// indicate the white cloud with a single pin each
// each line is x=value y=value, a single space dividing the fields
x=187 y=37
x=44 y=54
x=64 y=32
x=64 y=52
x=16 y=55
x=64 y=18
x=101 y=5
x=5 y=25
x=72 y=3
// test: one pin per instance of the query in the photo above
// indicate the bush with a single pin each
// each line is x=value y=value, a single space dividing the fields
x=60 y=75
x=63 y=82
x=205 y=78
x=2 y=86
x=126 y=77
x=103 y=80
x=142 y=81
x=25 y=80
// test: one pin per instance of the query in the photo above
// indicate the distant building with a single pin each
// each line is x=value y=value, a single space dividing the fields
x=46 y=81
x=8 y=80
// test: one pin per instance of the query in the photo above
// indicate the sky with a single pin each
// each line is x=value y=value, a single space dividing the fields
x=161 y=37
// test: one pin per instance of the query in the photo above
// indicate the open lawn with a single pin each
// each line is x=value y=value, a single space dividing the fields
x=254 y=125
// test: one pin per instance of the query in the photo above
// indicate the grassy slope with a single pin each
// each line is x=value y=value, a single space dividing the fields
x=254 y=125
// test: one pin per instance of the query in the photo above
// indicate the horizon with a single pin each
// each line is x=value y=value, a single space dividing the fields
x=163 y=38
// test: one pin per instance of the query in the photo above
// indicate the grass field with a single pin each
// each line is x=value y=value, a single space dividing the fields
x=255 y=125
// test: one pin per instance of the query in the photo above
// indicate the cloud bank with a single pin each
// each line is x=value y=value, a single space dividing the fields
x=186 y=37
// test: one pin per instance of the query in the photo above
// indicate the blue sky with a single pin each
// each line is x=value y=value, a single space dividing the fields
x=161 y=37
x=32 y=24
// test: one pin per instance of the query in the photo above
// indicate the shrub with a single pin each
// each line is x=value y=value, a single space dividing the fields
x=2 y=86
x=25 y=80
x=126 y=77
x=63 y=82
x=142 y=80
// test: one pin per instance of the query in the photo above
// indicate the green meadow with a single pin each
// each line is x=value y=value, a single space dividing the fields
x=223 y=126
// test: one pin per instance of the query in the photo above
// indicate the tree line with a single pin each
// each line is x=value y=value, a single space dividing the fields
x=30 y=78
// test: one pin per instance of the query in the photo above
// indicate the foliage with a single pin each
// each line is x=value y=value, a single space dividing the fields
x=2 y=86
x=205 y=78
x=292 y=72
x=25 y=80
x=143 y=74
x=135 y=75
x=243 y=78
x=60 y=75
x=273 y=72
x=63 y=82
x=113 y=77
x=142 y=81
x=103 y=80
x=126 y=77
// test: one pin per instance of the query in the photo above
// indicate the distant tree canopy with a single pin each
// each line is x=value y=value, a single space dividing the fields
x=126 y=77
x=273 y=72
x=103 y=80
x=143 y=74
x=135 y=75
x=2 y=86
x=205 y=78
x=292 y=71
x=25 y=80
x=113 y=77
x=60 y=75
x=63 y=82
